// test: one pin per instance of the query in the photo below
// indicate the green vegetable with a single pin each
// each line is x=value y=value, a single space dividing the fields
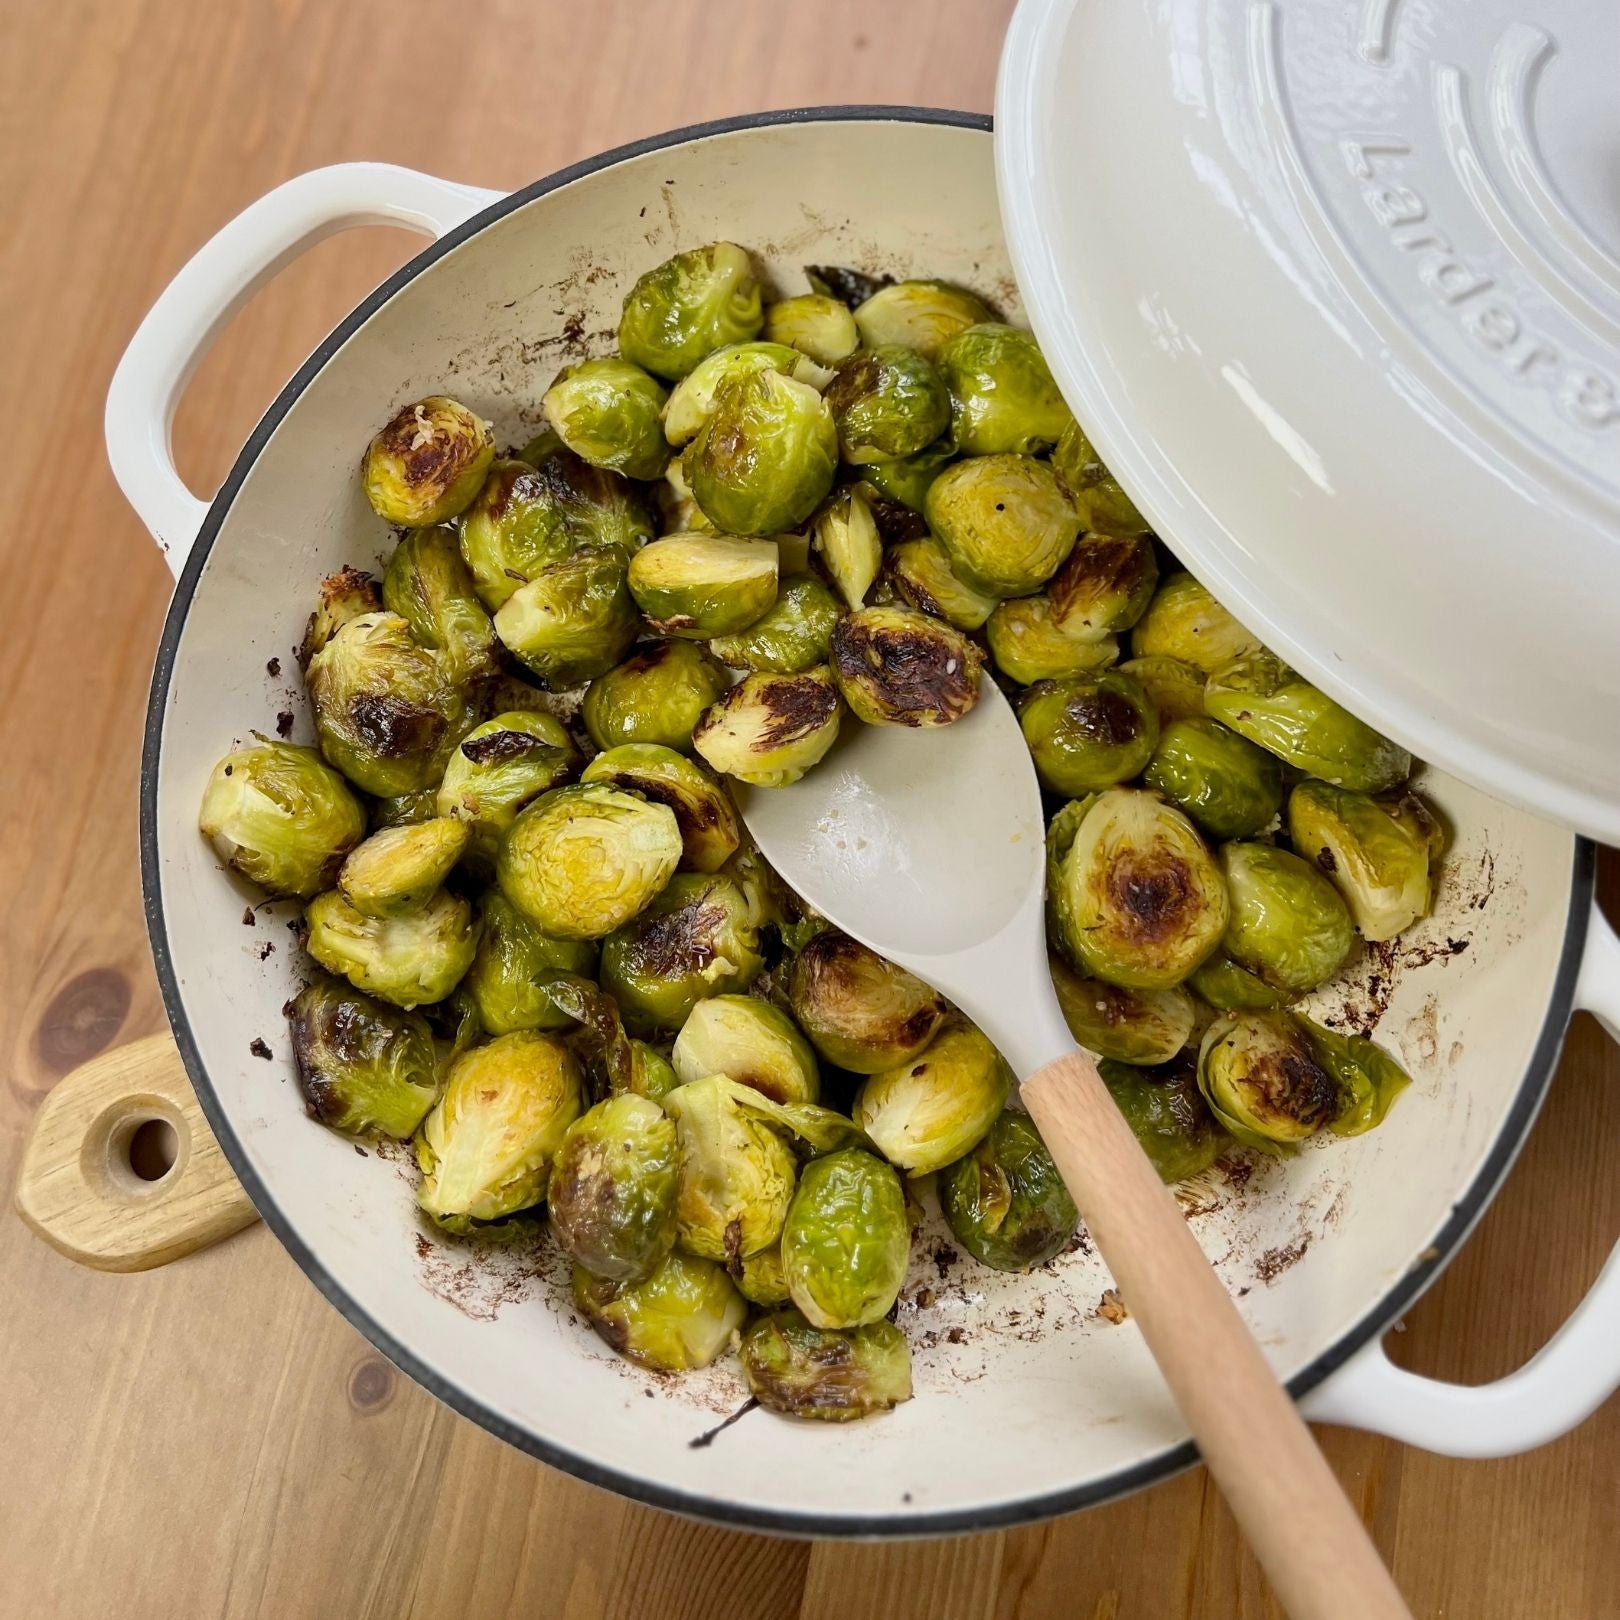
x=896 y=667
x=347 y=594
x=919 y=314
x=1264 y=1079
x=1288 y=925
x=1228 y=786
x=399 y=869
x=573 y=621
x=689 y=306
x=691 y=402
x=429 y=586
x=498 y=768
x=702 y=585
x=1103 y=506
x=905 y=480
x=1028 y=646
x=1106 y=584
x=657 y=695
x=1185 y=622
x=1175 y=689
x=924 y=578
x=1129 y=1026
x=768 y=730
x=610 y=413
x=427 y=463
x=809 y=1372
x=1005 y=1201
x=845 y=1242
x=1369 y=1079
x=751 y=1042
x=860 y=1011
x=1088 y=731
x=409 y=960
x=680 y=1318
x=1169 y=1115
x=888 y=402
x=710 y=830
x=1002 y=394
x=1379 y=867
x=1230 y=988
x=814 y=324
x=792 y=635
x=508 y=977
x=851 y=550
x=1004 y=522
x=761 y=1280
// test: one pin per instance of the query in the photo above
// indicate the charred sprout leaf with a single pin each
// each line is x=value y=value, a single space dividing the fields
x=710 y=830
x=1088 y=731
x=1230 y=988
x=1379 y=867
x=1129 y=1026
x=1002 y=394
x=810 y=1372
x=1175 y=689
x=1288 y=925
x=657 y=695
x=814 y=324
x=1028 y=645
x=918 y=314
x=1264 y=1079
x=429 y=586
x=761 y=1280
x=1169 y=1115
x=845 y=1242
x=1185 y=622
x=792 y=635
x=399 y=869
x=614 y=1063
x=427 y=463
x=768 y=730
x=751 y=1042
x=895 y=666
x=498 y=768
x=924 y=578
x=508 y=977
x=1103 y=506
x=847 y=539
x=847 y=285
x=1369 y=1078
x=1228 y=786
x=888 y=402
x=702 y=585
x=680 y=1318
x=808 y=1127
x=691 y=403
x=1105 y=585
x=408 y=960
x=1005 y=1201
x=610 y=413
x=573 y=621
x=905 y=480
x=345 y=595
x=861 y=1012
x=689 y=306
x=1004 y=522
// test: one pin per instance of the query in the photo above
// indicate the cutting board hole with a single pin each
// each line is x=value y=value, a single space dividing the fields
x=153 y=1148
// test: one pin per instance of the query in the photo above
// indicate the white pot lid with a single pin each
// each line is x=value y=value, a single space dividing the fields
x=1334 y=287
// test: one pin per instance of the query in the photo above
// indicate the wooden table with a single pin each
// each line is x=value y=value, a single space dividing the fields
x=212 y=1438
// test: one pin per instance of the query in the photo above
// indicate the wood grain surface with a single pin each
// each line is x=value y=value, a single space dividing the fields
x=211 y=1438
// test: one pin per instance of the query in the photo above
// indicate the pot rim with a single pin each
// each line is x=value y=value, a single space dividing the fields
x=1466 y=1211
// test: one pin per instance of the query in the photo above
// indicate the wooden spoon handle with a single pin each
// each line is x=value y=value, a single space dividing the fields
x=79 y=1189
x=1310 y=1541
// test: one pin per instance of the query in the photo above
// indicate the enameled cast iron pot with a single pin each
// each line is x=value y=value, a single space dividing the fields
x=1029 y=1402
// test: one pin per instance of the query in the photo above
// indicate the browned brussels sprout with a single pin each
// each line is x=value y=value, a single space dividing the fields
x=1088 y=731
x=1369 y=1078
x=710 y=830
x=768 y=730
x=573 y=621
x=861 y=1012
x=897 y=667
x=922 y=574
x=790 y=636
x=1028 y=646
x=1005 y=1201
x=1167 y=1111
x=680 y=1318
x=1103 y=506
x=1105 y=585
x=498 y=768
x=427 y=463
x=345 y=595
x=508 y=978
x=657 y=695
x=429 y=586
x=888 y=402
x=1378 y=866
x=1264 y=1079
x=1129 y=1026
x=810 y=1372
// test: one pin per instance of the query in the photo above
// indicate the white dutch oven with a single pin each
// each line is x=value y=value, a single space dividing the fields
x=1059 y=1407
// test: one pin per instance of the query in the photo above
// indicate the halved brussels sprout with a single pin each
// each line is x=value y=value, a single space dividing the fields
x=1146 y=896
x=689 y=306
x=861 y=1011
x=399 y=869
x=919 y=314
x=363 y=1067
x=345 y=595
x=1169 y=1115
x=1228 y=786
x=1369 y=1079
x=1230 y=988
x=761 y=1280
x=1061 y=933
x=580 y=861
x=1004 y=522
x=1106 y=584
x=1028 y=646
x=498 y=768
x=702 y=585
x=751 y=1042
x=905 y=480
x=888 y=402
x=766 y=457
x=1088 y=731
x=431 y=588
x=678 y=1319
x=1175 y=689
x=925 y=1113
x=694 y=940
x=507 y=979
x=485 y=1151
x=1103 y=506
x=1129 y=1026
x=710 y=830
x=427 y=463
x=1375 y=863
x=810 y=1372
x=281 y=816
x=1002 y=394
x=387 y=710
x=814 y=324
x=612 y=1189
x=895 y=666
x=573 y=621
x=768 y=730
x=846 y=1242
x=1005 y=1201
x=792 y=635
x=923 y=576
x=410 y=960
x=691 y=402
x=657 y=695
x=610 y=413
x=1264 y=1080
x=1288 y=925
x=1262 y=699
x=851 y=549
x=736 y=1174
x=1184 y=621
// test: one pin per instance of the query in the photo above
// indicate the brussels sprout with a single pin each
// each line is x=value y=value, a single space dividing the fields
x=1230 y=988
x=861 y=1012
x=925 y=1113
x=761 y=1280
x=526 y=519
x=751 y=1042
x=736 y=1175
x=923 y=577
x=905 y=480
x=810 y=1372
x=792 y=635
x=345 y=595
x=1129 y=1026
x=1103 y=506
x=363 y=1067
x=610 y=413
x=582 y=860
x=1004 y=522
x=1288 y=925
x=650 y=1072
x=485 y=1151
x=1146 y=896
x=612 y=1189
x=847 y=538
x=281 y=816
x=691 y=402
x=888 y=402
x=1184 y=621
x=657 y=695
x=895 y=666
x=701 y=585
x=427 y=463
x=814 y=324
x=689 y=306
x=1028 y=646
x=1088 y=731
x=573 y=621
x=811 y=1129
x=406 y=810
x=616 y=1064
x=694 y=940
x=431 y=588
x=1264 y=1080
x=1167 y=1111
x=678 y=1319
x=1228 y=786
x=1420 y=819
x=1378 y=867
x=1175 y=689
x=765 y=458
x=409 y=960
x=497 y=769
x=768 y=730
x=1106 y=584
x=1061 y=932
x=1002 y=394
x=507 y=979
x=846 y=1242
x=1005 y=1201
x=919 y=314
x=399 y=869
x=769 y=899
x=1369 y=1079
x=710 y=830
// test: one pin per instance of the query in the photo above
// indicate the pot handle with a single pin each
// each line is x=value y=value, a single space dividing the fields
x=218 y=279
x=1558 y=1388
